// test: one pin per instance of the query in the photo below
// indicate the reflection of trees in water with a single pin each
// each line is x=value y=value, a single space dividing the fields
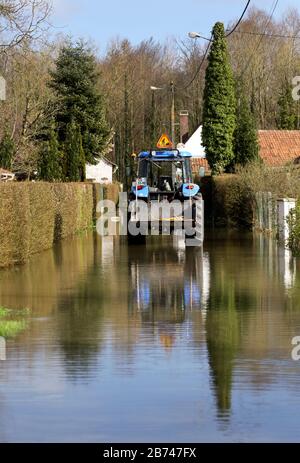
x=96 y=303
x=82 y=285
x=64 y=283
x=80 y=319
x=229 y=300
x=222 y=328
x=80 y=334
x=245 y=317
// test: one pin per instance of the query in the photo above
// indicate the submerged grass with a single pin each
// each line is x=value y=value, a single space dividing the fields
x=3 y=312
x=10 y=328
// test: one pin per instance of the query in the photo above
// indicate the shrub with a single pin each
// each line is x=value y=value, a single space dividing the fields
x=232 y=202
x=294 y=228
x=35 y=215
x=281 y=181
x=234 y=195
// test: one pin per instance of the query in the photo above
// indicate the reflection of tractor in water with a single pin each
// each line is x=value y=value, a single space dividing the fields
x=166 y=286
x=165 y=176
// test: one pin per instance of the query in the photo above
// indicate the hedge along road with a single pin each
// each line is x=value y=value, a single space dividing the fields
x=33 y=216
x=153 y=343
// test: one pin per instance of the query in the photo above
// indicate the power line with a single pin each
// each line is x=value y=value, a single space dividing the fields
x=274 y=6
x=240 y=20
x=281 y=36
x=261 y=34
x=199 y=67
x=209 y=42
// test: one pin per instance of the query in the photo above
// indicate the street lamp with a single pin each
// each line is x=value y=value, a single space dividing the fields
x=194 y=35
x=197 y=35
x=155 y=88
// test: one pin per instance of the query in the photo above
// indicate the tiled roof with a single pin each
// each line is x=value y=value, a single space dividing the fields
x=279 y=147
x=199 y=162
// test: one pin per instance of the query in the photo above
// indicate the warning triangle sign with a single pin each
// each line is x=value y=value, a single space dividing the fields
x=164 y=142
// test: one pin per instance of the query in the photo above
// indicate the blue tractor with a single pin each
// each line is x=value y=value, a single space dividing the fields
x=162 y=177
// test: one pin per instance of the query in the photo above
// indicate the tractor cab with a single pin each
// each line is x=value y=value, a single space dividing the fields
x=162 y=175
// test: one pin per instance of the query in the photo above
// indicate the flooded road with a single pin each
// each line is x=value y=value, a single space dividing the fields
x=153 y=344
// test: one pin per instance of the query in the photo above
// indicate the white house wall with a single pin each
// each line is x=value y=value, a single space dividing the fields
x=194 y=144
x=100 y=173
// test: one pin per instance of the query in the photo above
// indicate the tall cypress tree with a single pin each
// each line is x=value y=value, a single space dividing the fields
x=219 y=117
x=245 y=136
x=7 y=151
x=287 y=119
x=50 y=168
x=75 y=82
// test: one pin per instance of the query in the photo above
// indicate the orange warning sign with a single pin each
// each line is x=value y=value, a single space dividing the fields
x=164 y=142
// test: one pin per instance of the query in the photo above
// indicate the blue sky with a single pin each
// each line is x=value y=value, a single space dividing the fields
x=102 y=20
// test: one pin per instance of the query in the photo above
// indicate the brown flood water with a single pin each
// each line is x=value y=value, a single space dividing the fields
x=153 y=343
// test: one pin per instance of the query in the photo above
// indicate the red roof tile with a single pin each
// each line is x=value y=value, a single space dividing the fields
x=199 y=162
x=279 y=147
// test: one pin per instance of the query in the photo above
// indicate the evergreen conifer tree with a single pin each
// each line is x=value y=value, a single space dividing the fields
x=245 y=136
x=74 y=155
x=50 y=168
x=287 y=119
x=7 y=151
x=219 y=110
x=78 y=101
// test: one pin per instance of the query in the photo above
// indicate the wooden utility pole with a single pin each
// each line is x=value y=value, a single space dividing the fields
x=2 y=89
x=173 y=115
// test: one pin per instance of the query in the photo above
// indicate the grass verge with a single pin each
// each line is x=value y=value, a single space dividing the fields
x=10 y=328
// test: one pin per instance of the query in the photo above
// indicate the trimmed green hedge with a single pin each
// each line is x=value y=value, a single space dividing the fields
x=228 y=202
x=35 y=215
x=232 y=202
x=73 y=208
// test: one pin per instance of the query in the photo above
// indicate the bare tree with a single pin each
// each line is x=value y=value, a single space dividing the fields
x=22 y=20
